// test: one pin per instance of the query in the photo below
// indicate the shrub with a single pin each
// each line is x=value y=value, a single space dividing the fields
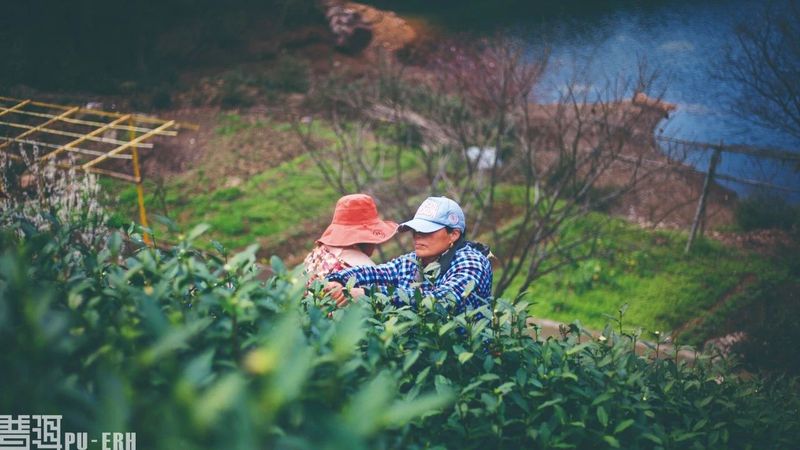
x=237 y=89
x=193 y=351
x=289 y=74
x=772 y=330
x=187 y=352
x=762 y=211
x=161 y=98
x=49 y=196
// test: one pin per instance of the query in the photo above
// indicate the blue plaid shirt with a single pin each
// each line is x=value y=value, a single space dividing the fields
x=468 y=265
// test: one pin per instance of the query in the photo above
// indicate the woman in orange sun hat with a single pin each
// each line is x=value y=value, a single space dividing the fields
x=352 y=236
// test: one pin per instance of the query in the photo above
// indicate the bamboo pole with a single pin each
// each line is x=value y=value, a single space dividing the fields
x=718 y=176
x=756 y=183
x=163 y=128
x=71 y=134
x=110 y=173
x=139 y=187
x=83 y=138
x=101 y=113
x=95 y=112
x=40 y=126
x=94 y=123
x=84 y=151
x=124 y=147
x=14 y=108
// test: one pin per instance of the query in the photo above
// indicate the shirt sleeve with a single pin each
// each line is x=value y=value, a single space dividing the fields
x=384 y=274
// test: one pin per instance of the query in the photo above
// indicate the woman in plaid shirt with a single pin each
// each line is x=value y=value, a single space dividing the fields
x=464 y=277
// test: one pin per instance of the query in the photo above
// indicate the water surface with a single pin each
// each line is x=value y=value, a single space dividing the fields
x=600 y=40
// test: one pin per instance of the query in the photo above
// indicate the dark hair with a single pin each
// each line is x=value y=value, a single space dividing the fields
x=451 y=229
x=363 y=246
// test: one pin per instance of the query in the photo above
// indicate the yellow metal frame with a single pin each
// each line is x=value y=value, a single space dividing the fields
x=45 y=125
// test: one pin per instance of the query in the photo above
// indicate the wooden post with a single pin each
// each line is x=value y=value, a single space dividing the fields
x=701 y=204
x=139 y=188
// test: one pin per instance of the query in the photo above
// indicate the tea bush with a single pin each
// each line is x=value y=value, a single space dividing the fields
x=192 y=351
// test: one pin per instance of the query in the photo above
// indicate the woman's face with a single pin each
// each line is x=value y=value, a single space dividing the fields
x=430 y=246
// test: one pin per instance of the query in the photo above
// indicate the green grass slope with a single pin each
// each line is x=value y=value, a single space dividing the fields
x=282 y=206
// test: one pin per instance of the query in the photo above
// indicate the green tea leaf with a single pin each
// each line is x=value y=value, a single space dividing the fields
x=197 y=231
x=446 y=327
x=402 y=412
x=624 y=425
x=367 y=408
x=218 y=399
x=611 y=440
x=604 y=397
x=653 y=438
x=468 y=289
x=602 y=416
x=578 y=348
x=410 y=359
x=175 y=339
x=422 y=375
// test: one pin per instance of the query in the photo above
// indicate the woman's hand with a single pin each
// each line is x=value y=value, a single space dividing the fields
x=337 y=292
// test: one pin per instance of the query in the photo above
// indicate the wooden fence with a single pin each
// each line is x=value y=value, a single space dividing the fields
x=711 y=175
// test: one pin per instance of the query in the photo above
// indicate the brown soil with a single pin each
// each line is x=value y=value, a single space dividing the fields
x=390 y=32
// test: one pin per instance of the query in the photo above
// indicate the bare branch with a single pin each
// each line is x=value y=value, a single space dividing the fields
x=524 y=172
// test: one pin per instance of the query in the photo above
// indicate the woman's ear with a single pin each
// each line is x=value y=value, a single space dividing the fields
x=455 y=235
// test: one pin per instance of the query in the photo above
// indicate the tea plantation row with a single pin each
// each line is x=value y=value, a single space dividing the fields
x=195 y=351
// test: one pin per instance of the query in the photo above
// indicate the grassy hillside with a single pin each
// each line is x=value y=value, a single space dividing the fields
x=665 y=290
x=284 y=203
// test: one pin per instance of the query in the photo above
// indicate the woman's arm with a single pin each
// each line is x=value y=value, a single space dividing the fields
x=382 y=274
x=385 y=273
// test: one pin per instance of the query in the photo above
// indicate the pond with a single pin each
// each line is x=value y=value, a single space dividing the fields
x=682 y=40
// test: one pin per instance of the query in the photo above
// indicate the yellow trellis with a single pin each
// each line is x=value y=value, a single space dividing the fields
x=82 y=138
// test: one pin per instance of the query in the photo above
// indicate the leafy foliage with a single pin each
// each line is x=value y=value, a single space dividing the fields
x=194 y=351
x=764 y=211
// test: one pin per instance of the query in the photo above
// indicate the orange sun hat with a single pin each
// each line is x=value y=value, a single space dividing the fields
x=356 y=221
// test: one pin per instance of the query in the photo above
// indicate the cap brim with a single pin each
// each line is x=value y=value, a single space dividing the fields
x=421 y=225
